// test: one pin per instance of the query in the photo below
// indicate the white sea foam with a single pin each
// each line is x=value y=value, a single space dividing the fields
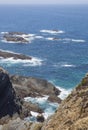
x=52 y=31
x=67 y=65
x=50 y=38
x=64 y=92
x=63 y=64
x=47 y=106
x=73 y=40
x=39 y=37
x=33 y=62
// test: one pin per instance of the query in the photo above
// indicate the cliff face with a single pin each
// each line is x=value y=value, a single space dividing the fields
x=8 y=101
x=73 y=111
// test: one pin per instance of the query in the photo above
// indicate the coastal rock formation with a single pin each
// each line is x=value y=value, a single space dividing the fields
x=8 y=100
x=34 y=87
x=14 y=88
x=15 y=37
x=18 y=124
x=6 y=54
x=73 y=111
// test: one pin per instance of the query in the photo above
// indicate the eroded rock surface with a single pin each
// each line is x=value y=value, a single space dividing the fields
x=73 y=111
x=34 y=87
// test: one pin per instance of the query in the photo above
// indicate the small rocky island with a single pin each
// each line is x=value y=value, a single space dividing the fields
x=16 y=37
x=7 y=54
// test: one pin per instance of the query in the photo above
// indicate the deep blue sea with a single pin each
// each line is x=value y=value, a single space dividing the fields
x=60 y=57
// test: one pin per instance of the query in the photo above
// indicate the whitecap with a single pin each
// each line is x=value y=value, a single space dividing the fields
x=67 y=65
x=64 y=64
x=50 y=38
x=73 y=40
x=77 y=40
x=52 y=31
x=39 y=37
x=33 y=62
x=64 y=92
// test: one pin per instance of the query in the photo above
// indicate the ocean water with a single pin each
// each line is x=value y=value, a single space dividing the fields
x=58 y=56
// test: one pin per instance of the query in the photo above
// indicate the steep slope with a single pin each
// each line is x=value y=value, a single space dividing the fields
x=73 y=111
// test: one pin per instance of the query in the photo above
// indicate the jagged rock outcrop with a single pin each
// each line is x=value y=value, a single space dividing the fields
x=6 y=54
x=73 y=111
x=34 y=87
x=14 y=88
x=8 y=101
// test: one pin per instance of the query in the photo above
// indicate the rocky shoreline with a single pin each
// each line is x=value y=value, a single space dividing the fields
x=72 y=114
x=15 y=89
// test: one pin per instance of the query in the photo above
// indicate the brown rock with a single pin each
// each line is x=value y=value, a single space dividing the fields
x=73 y=111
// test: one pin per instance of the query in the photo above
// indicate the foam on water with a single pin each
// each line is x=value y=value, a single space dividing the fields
x=73 y=40
x=33 y=62
x=64 y=92
x=52 y=31
x=48 y=107
x=39 y=37
x=63 y=64
x=50 y=38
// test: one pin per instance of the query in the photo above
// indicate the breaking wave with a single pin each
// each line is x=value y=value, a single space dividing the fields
x=73 y=40
x=48 y=107
x=33 y=62
x=64 y=92
x=63 y=64
x=52 y=31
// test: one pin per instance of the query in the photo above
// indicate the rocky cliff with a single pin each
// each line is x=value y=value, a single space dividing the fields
x=72 y=114
x=73 y=111
x=8 y=100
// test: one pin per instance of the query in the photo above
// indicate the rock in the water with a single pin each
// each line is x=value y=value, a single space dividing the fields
x=8 y=104
x=15 y=37
x=6 y=54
